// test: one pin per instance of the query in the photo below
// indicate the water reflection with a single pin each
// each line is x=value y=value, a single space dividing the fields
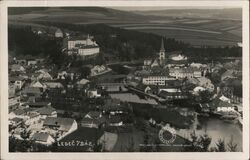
x=216 y=129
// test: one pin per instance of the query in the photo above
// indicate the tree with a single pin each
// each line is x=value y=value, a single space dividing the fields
x=146 y=146
x=67 y=114
x=205 y=142
x=16 y=145
x=85 y=72
x=157 y=143
x=232 y=147
x=98 y=147
x=25 y=134
x=24 y=146
x=12 y=144
x=198 y=144
x=215 y=78
x=220 y=146
x=205 y=96
x=99 y=59
x=194 y=143
x=131 y=146
x=36 y=147
x=54 y=147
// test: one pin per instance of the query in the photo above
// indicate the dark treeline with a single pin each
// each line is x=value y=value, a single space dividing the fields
x=22 y=41
x=125 y=44
x=213 y=52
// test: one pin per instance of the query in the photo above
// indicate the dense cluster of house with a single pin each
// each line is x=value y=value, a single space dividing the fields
x=171 y=76
x=42 y=123
x=28 y=111
x=35 y=88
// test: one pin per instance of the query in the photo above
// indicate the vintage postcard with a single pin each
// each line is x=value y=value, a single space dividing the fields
x=124 y=80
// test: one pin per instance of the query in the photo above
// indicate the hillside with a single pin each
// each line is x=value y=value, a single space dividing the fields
x=229 y=13
x=198 y=27
x=73 y=15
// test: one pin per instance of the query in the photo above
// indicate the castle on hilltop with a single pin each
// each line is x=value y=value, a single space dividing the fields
x=83 y=46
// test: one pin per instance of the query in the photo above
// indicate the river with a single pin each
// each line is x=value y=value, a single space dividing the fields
x=217 y=129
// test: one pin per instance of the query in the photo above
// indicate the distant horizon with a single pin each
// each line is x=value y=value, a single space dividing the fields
x=146 y=8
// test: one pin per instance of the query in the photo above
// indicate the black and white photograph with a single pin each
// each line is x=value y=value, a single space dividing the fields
x=126 y=78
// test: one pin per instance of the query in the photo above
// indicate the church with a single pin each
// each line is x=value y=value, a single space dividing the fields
x=175 y=65
x=158 y=61
x=175 y=58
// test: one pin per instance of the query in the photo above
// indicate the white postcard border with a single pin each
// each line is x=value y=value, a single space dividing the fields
x=121 y=155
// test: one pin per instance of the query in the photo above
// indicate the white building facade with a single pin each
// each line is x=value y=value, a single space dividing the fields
x=84 y=47
x=156 y=80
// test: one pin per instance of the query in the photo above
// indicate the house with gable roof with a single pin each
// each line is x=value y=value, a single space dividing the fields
x=218 y=105
x=15 y=122
x=17 y=68
x=46 y=111
x=45 y=76
x=38 y=84
x=43 y=138
x=93 y=93
x=32 y=91
x=18 y=81
x=206 y=83
x=147 y=64
x=93 y=115
x=19 y=113
x=60 y=126
x=59 y=33
x=32 y=118
x=229 y=74
x=93 y=119
x=53 y=85
x=62 y=75
x=99 y=70
x=31 y=62
x=225 y=99
x=115 y=121
x=14 y=100
x=81 y=83
x=21 y=61
x=90 y=123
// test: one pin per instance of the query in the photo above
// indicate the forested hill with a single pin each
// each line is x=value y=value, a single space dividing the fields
x=126 y=44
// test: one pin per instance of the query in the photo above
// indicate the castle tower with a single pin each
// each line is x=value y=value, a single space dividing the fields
x=162 y=54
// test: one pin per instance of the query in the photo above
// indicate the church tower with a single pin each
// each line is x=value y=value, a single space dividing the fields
x=162 y=54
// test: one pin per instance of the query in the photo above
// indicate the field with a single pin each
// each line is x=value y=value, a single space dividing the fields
x=197 y=38
x=193 y=31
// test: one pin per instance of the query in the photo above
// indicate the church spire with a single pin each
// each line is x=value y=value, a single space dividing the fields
x=162 y=54
x=162 y=46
